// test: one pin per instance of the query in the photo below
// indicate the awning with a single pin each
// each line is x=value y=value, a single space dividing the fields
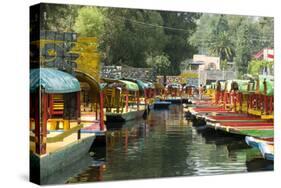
x=131 y=86
x=174 y=85
x=53 y=81
x=141 y=85
x=94 y=85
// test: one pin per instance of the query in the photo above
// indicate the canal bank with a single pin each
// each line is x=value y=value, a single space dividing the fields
x=167 y=145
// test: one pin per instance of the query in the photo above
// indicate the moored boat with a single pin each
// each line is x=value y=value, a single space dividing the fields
x=122 y=100
x=265 y=145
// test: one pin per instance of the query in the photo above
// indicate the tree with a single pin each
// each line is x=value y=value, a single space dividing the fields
x=257 y=66
x=58 y=17
x=160 y=63
x=90 y=22
x=178 y=27
x=131 y=35
x=243 y=48
x=213 y=33
x=233 y=37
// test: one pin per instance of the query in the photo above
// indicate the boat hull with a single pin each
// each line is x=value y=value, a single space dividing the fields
x=161 y=105
x=122 y=117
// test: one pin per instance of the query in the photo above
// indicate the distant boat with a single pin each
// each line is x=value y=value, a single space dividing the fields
x=161 y=104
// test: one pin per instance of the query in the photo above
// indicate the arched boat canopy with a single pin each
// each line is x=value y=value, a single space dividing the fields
x=189 y=86
x=53 y=81
x=174 y=85
x=94 y=85
x=128 y=85
x=141 y=85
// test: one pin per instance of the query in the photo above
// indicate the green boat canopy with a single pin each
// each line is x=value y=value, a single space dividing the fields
x=242 y=85
x=53 y=81
x=141 y=85
x=131 y=86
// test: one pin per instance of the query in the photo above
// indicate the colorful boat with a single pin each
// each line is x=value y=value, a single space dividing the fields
x=266 y=146
x=173 y=93
x=256 y=129
x=55 y=129
x=161 y=104
x=122 y=100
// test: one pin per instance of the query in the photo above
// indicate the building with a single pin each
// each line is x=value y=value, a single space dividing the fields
x=206 y=62
x=266 y=54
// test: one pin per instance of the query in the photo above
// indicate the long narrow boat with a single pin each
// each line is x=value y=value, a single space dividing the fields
x=122 y=100
x=235 y=117
x=266 y=146
x=125 y=116
x=173 y=93
x=256 y=129
x=161 y=104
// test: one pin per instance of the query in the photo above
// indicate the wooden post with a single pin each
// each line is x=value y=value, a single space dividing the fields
x=127 y=100
x=270 y=104
x=96 y=112
x=37 y=110
x=51 y=97
x=101 y=112
x=78 y=109
x=138 y=101
x=265 y=102
x=240 y=99
x=225 y=101
x=79 y=134
x=43 y=124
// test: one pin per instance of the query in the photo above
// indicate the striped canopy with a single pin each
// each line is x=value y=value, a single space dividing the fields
x=53 y=81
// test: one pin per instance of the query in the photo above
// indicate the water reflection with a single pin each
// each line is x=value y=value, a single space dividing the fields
x=167 y=145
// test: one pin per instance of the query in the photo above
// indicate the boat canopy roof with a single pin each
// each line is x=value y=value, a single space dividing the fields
x=242 y=85
x=142 y=85
x=53 y=81
x=131 y=86
x=189 y=86
x=174 y=85
x=93 y=83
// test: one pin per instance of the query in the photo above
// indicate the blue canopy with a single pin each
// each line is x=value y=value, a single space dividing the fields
x=53 y=81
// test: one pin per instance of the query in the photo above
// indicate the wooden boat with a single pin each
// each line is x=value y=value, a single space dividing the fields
x=56 y=95
x=234 y=117
x=161 y=105
x=125 y=116
x=256 y=129
x=122 y=100
x=173 y=93
x=266 y=146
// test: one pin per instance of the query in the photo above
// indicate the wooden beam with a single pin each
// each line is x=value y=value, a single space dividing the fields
x=101 y=112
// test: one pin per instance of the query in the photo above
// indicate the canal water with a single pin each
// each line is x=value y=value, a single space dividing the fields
x=166 y=145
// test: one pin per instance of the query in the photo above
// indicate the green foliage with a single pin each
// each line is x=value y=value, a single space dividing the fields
x=176 y=47
x=233 y=37
x=128 y=40
x=223 y=65
x=160 y=63
x=90 y=22
x=256 y=66
x=57 y=17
